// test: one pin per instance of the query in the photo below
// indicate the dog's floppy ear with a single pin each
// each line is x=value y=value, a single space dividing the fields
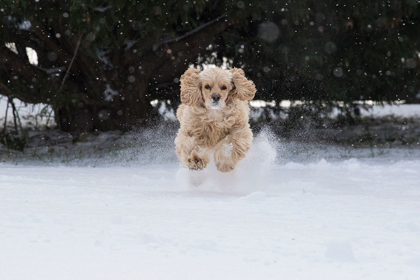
x=190 y=87
x=244 y=88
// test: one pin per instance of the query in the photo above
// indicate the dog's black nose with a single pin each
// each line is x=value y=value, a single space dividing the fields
x=215 y=97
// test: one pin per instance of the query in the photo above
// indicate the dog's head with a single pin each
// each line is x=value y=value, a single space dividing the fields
x=215 y=87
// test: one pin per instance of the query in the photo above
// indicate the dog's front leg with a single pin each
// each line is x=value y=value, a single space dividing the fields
x=233 y=148
x=197 y=159
x=191 y=155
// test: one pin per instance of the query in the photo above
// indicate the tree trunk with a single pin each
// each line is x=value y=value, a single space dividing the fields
x=130 y=107
x=91 y=91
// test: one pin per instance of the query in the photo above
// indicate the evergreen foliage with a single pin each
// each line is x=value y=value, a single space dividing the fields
x=100 y=63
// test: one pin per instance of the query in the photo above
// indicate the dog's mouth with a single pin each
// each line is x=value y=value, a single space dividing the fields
x=215 y=105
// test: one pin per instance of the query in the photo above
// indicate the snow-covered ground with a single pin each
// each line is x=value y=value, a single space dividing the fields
x=403 y=110
x=38 y=115
x=30 y=115
x=270 y=219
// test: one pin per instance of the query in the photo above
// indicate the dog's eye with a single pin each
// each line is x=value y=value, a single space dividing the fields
x=223 y=87
x=207 y=87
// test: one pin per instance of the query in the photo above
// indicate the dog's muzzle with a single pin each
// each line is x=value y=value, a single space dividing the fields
x=215 y=97
x=215 y=101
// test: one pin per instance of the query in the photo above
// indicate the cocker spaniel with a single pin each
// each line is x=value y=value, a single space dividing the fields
x=214 y=117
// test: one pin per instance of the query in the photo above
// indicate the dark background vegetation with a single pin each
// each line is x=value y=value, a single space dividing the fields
x=100 y=63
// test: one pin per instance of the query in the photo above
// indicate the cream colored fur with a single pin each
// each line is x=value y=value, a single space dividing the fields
x=224 y=131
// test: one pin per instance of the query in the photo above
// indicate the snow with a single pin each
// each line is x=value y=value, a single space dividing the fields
x=32 y=55
x=12 y=47
x=25 y=25
x=227 y=149
x=357 y=218
x=404 y=110
x=129 y=44
x=165 y=112
x=102 y=9
x=110 y=93
x=376 y=110
x=30 y=114
x=102 y=56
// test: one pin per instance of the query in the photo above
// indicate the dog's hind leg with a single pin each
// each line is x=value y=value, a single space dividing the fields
x=191 y=155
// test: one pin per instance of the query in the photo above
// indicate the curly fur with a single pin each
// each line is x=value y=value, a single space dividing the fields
x=190 y=87
x=203 y=130
x=245 y=89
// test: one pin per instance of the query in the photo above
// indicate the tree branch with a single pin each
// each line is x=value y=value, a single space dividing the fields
x=5 y=88
x=29 y=85
x=167 y=69
x=71 y=63
x=16 y=118
x=5 y=118
x=189 y=33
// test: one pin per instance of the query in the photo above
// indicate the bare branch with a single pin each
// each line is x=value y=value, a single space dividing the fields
x=5 y=88
x=16 y=118
x=189 y=33
x=71 y=62
x=5 y=117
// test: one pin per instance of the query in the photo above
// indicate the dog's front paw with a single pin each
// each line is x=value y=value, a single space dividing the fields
x=225 y=167
x=195 y=162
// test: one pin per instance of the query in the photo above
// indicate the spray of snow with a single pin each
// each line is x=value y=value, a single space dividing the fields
x=285 y=210
x=250 y=175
